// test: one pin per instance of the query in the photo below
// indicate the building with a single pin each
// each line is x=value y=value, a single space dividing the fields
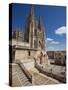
x=50 y=54
x=33 y=37
x=57 y=57
x=34 y=32
x=60 y=57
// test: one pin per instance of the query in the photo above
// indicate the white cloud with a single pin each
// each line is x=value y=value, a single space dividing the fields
x=49 y=39
x=54 y=42
x=50 y=47
x=61 y=30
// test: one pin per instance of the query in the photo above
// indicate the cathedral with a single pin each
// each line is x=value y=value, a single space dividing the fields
x=34 y=33
x=30 y=44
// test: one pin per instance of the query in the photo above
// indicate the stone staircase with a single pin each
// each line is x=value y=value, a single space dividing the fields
x=18 y=77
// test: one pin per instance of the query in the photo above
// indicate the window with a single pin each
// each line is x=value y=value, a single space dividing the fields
x=28 y=53
x=39 y=43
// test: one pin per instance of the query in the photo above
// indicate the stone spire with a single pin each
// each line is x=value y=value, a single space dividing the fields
x=39 y=23
x=32 y=11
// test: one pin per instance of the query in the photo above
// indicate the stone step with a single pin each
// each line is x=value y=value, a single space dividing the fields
x=28 y=84
x=19 y=76
x=25 y=83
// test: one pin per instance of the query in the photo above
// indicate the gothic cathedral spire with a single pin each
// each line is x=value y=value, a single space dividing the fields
x=32 y=11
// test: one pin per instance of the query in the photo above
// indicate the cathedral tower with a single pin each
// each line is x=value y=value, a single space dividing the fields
x=34 y=32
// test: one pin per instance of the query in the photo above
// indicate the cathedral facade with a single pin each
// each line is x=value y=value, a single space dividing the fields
x=34 y=32
x=30 y=44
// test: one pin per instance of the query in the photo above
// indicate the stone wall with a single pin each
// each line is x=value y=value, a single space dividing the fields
x=24 y=54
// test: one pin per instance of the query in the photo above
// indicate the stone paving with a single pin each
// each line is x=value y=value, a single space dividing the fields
x=41 y=79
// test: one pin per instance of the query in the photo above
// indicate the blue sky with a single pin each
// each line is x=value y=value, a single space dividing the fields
x=53 y=19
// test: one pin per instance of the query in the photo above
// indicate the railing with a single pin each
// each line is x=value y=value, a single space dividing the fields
x=60 y=77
